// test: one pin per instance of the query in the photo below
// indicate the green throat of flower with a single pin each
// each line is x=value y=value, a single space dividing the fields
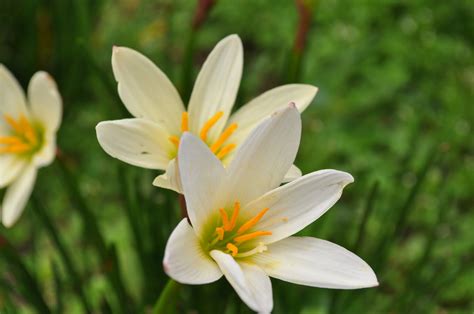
x=217 y=147
x=25 y=138
x=234 y=235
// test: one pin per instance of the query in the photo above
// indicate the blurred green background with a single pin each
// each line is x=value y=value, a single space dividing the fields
x=395 y=109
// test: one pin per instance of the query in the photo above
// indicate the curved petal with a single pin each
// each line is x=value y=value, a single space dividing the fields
x=266 y=155
x=45 y=101
x=145 y=90
x=297 y=204
x=249 y=281
x=17 y=196
x=47 y=153
x=170 y=179
x=139 y=142
x=251 y=114
x=202 y=177
x=185 y=261
x=292 y=174
x=216 y=86
x=10 y=167
x=317 y=263
x=12 y=98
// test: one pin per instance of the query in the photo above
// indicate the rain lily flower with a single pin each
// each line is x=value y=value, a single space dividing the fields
x=151 y=139
x=27 y=137
x=241 y=220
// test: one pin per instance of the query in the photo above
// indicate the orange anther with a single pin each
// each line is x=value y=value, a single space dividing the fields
x=249 y=224
x=225 y=219
x=208 y=125
x=220 y=233
x=251 y=236
x=184 y=122
x=174 y=140
x=235 y=214
x=232 y=248
x=223 y=137
x=225 y=150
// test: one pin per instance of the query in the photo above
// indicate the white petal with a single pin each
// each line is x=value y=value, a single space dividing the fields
x=139 y=142
x=249 y=281
x=317 y=263
x=216 y=86
x=145 y=90
x=262 y=161
x=12 y=98
x=185 y=261
x=17 y=195
x=45 y=101
x=297 y=204
x=202 y=178
x=292 y=174
x=47 y=153
x=170 y=179
x=251 y=114
x=10 y=167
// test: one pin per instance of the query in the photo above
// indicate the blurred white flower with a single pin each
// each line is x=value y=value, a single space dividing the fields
x=27 y=137
x=242 y=220
x=151 y=139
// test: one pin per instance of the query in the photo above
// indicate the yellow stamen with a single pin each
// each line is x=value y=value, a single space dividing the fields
x=251 y=236
x=184 y=122
x=174 y=140
x=225 y=150
x=208 y=125
x=28 y=131
x=249 y=224
x=17 y=148
x=235 y=214
x=220 y=233
x=223 y=137
x=225 y=219
x=232 y=248
x=15 y=125
x=10 y=140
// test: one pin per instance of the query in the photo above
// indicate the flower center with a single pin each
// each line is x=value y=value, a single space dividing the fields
x=235 y=240
x=218 y=147
x=24 y=138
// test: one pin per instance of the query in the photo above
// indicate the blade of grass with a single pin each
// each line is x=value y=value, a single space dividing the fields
x=58 y=288
x=71 y=269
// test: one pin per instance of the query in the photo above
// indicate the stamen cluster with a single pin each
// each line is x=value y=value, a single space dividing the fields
x=24 y=139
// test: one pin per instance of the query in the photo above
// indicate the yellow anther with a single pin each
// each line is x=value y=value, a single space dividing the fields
x=208 y=125
x=220 y=233
x=14 y=125
x=225 y=219
x=10 y=140
x=235 y=214
x=251 y=236
x=249 y=224
x=174 y=139
x=223 y=137
x=225 y=150
x=17 y=148
x=184 y=122
x=232 y=248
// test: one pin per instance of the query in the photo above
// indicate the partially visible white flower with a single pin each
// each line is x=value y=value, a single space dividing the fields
x=27 y=137
x=151 y=139
x=241 y=220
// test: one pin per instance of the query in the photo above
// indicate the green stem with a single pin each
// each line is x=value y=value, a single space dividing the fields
x=167 y=298
x=66 y=258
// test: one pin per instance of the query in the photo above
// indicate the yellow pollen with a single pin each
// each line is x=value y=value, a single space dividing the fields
x=225 y=219
x=249 y=224
x=225 y=150
x=251 y=236
x=220 y=233
x=232 y=248
x=184 y=122
x=208 y=125
x=10 y=140
x=223 y=137
x=174 y=140
x=235 y=214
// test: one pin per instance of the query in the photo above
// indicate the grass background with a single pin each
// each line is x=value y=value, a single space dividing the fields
x=395 y=109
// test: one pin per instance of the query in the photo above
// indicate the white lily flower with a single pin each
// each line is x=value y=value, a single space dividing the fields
x=242 y=220
x=27 y=137
x=151 y=139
